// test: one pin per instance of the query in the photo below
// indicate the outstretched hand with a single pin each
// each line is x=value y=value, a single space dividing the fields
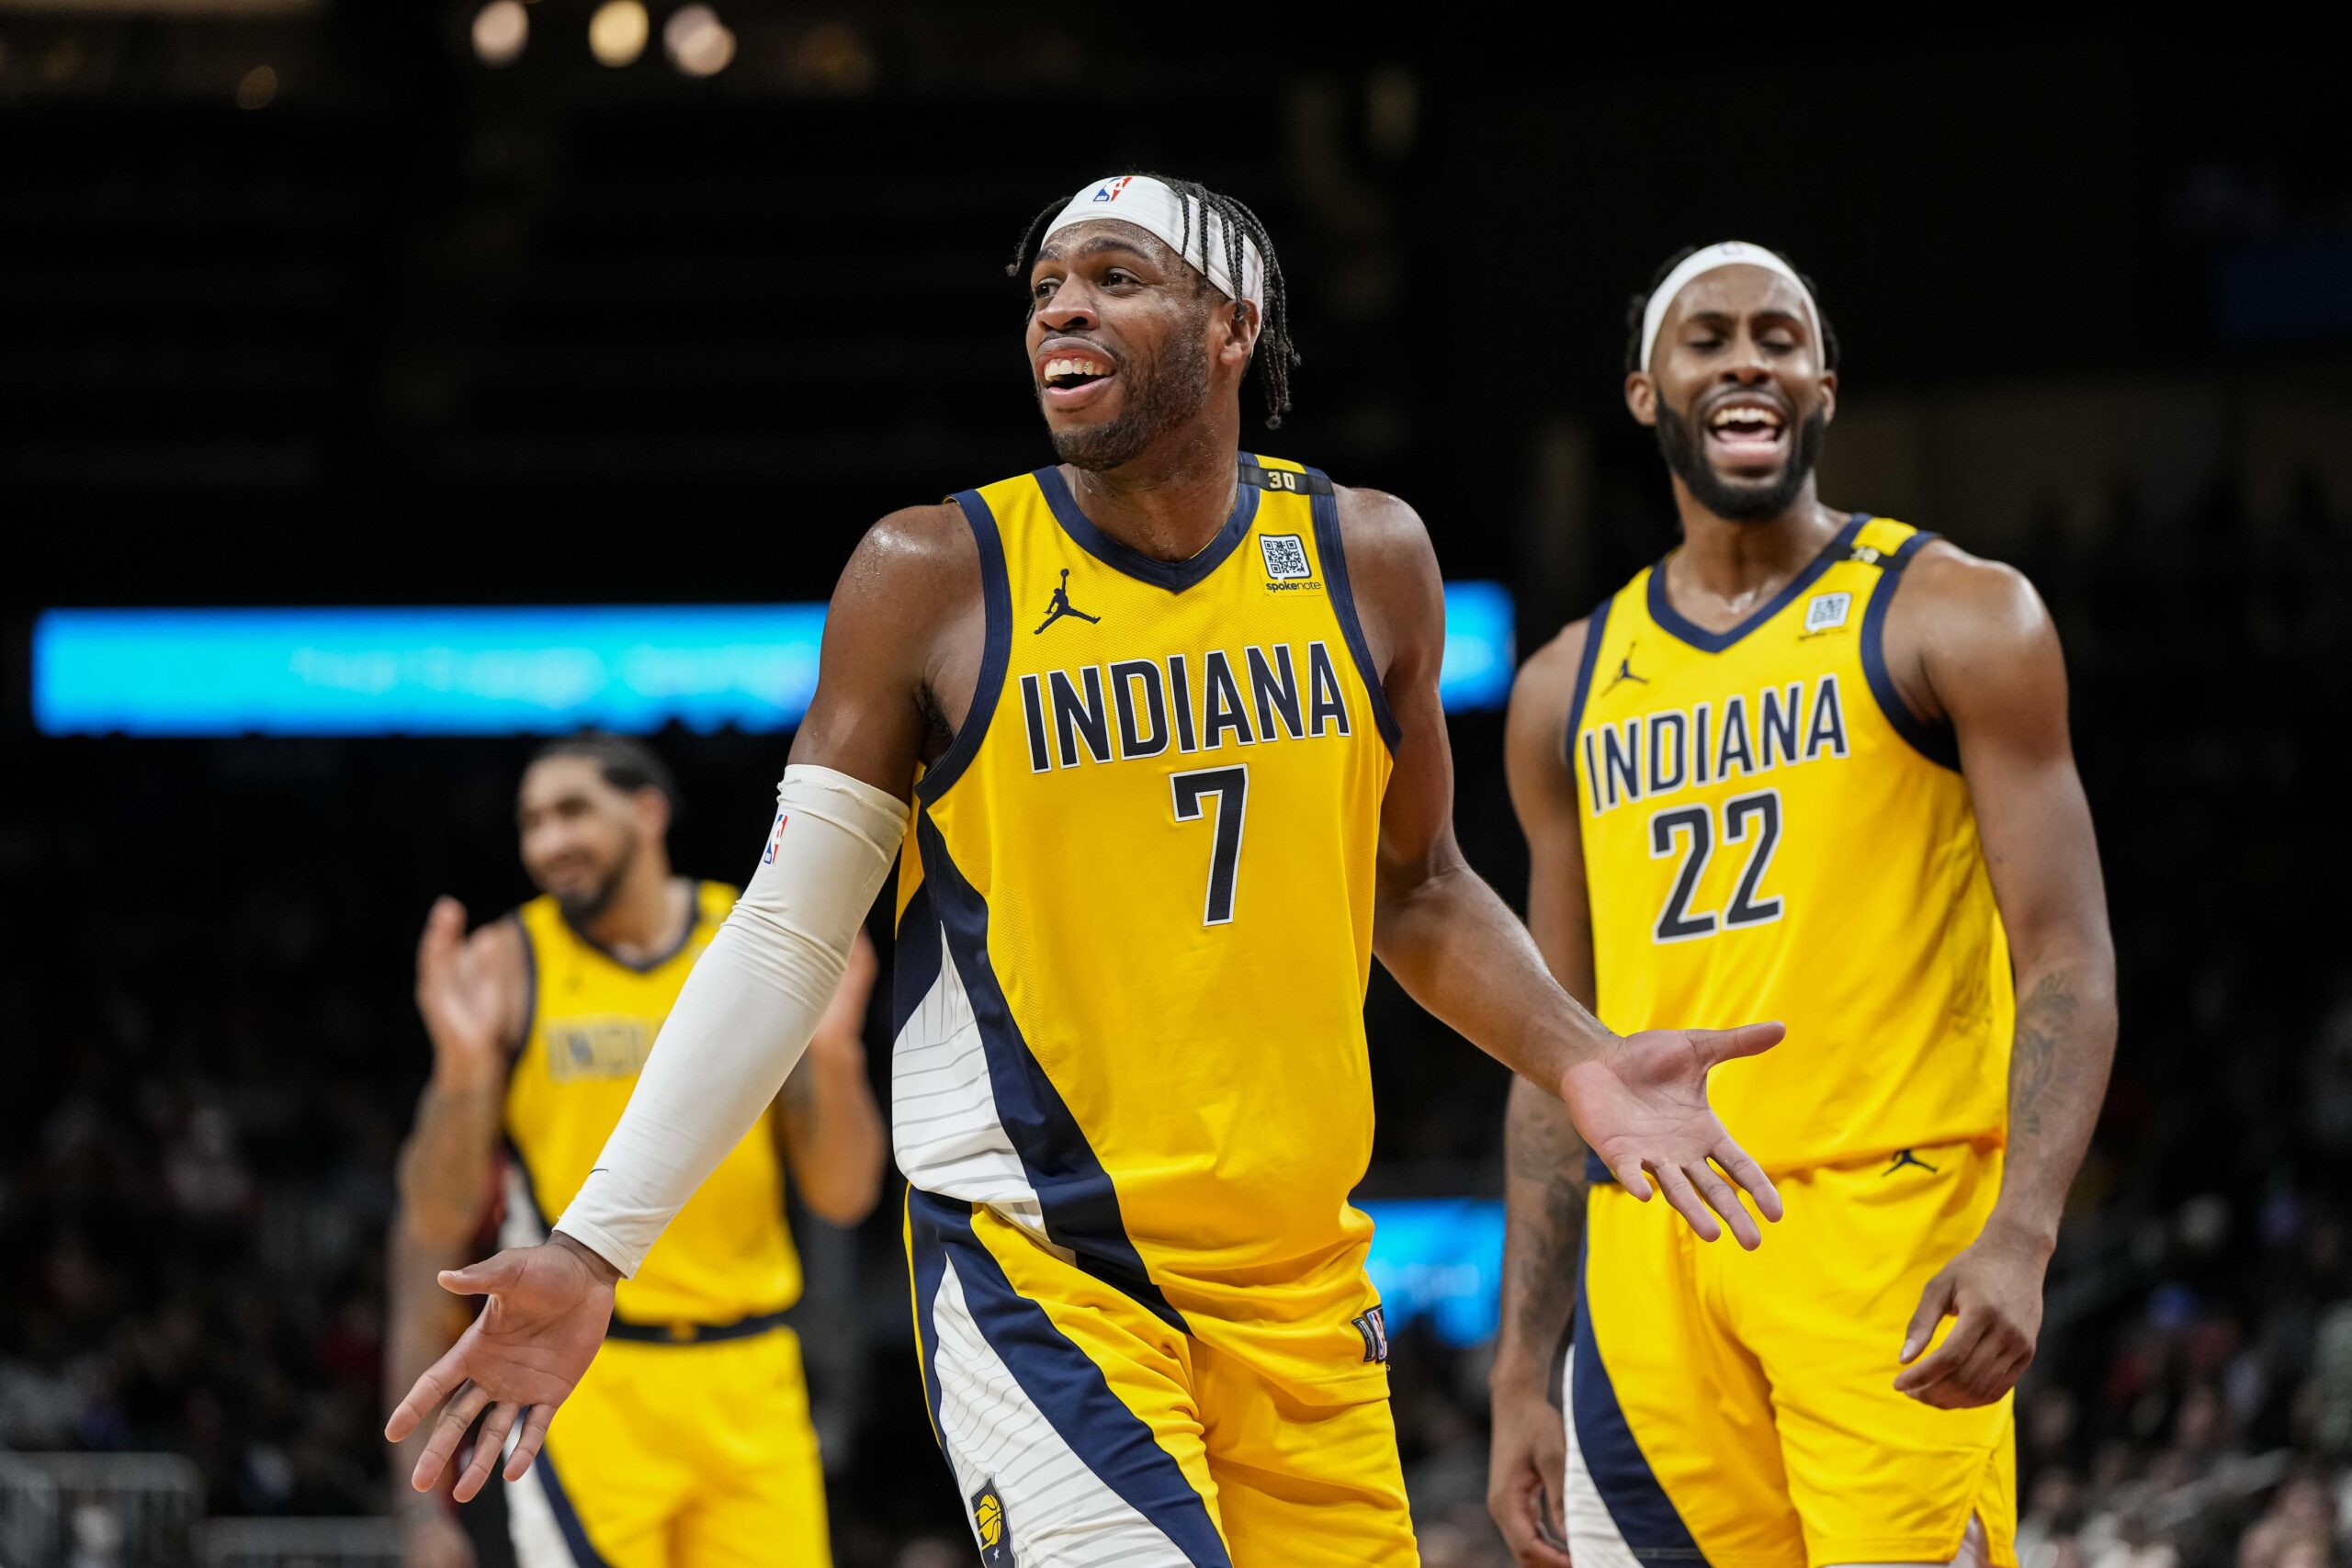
x=521 y=1357
x=1642 y=1107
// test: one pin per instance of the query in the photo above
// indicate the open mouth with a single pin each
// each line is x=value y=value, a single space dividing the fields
x=1069 y=372
x=1751 y=427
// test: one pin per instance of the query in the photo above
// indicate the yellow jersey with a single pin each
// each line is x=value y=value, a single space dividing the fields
x=1135 y=917
x=1770 y=832
x=729 y=1255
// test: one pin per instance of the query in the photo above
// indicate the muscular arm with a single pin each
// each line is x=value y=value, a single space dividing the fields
x=1543 y=1188
x=1458 y=950
x=1969 y=641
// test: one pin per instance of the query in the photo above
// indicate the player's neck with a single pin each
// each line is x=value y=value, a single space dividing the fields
x=647 y=915
x=1736 y=563
x=1171 y=501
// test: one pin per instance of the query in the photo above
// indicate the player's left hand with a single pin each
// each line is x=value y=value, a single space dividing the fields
x=1642 y=1107
x=1994 y=1287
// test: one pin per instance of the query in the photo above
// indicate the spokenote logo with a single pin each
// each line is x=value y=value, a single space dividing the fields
x=1826 y=612
x=1286 y=556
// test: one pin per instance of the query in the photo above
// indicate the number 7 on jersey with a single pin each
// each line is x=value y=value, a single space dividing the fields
x=1231 y=787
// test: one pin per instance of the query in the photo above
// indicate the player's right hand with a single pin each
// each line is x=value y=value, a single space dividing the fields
x=548 y=1308
x=1642 y=1107
x=456 y=992
x=1527 y=1467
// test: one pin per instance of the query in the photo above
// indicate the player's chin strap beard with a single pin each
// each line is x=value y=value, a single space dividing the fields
x=1740 y=503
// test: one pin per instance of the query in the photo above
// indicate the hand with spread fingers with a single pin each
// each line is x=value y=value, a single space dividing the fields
x=1994 y=1288
x=521 y=1357
x=1642 y=1106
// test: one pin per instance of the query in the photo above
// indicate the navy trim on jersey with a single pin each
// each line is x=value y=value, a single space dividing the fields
x=1644 y=1514
x=1081 y=1206
x=567 y=1517
x=926 y=1263
x=914 y=957
x=1174 y=575
x=1596 y=623
x=1596 y=1172
x=646 y=966
x=1331 y=552
x=1673 y=623
x=996 y=651
x=1934 y=741
x=1066 y=1385
x=697 y=1333
x=530 y=985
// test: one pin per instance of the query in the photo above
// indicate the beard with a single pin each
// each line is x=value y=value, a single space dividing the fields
x=1740 y=503
x=580 y=908
x=1163 y=392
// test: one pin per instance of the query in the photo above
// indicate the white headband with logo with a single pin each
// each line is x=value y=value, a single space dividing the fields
x=1152 y=206
x=1706 y=259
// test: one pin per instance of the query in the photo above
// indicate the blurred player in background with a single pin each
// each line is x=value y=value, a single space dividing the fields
x=1816 y=765
x=1169 y=715
x=690 y=1442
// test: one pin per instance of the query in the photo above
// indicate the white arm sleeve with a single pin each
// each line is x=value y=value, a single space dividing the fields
x=746 y=1012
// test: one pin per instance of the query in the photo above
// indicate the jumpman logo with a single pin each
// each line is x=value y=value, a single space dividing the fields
x=1061 y=607
x=1626 y=672
x=1903 y=1157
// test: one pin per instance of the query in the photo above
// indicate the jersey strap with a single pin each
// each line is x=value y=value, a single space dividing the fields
x=1934 y=741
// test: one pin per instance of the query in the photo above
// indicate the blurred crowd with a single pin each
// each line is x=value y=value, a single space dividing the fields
x=213 y=1059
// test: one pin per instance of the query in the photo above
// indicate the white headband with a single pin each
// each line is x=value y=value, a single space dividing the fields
x=1152 y=206
x=1729 y=252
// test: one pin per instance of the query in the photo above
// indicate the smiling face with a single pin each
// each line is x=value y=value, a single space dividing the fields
x=1738 y=391
x=581 y=834
x=1126 y=342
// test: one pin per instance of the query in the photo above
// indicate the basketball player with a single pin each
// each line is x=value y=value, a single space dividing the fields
x=689 y=1441
x=1814 y=762
x=1168 y=714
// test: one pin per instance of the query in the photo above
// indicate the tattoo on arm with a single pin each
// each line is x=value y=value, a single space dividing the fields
x=2045 y=1071
x=1545 y=1227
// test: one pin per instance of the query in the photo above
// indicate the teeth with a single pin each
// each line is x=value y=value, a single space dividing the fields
x=1746 y=416
x=1075 y=367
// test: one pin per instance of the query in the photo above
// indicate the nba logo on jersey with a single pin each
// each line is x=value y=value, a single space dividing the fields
x=1285 y=555
x=1374 y=1326
x=990 y=1524
x=1826 y=612
x=775 y=838
x=1111 y=192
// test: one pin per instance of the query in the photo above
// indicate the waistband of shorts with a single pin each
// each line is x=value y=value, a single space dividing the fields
x=695 y=1333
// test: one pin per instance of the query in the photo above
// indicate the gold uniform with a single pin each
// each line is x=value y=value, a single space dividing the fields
x=688 y=1442
x=1130 y=1091
x=1769 y=832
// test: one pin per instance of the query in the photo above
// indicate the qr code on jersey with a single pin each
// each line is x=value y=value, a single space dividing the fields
x=1285 y=555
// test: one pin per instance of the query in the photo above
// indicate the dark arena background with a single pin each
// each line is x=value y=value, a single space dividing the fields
x=395 y=304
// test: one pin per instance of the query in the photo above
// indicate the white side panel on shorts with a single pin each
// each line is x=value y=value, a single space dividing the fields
x=944 y=1122
x=1594 y=1540
x=530 y=1520
x=1059 y=1512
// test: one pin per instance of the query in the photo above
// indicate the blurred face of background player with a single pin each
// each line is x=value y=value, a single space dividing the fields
x=581 y=836
x=1738 y=392
x=1137 y=341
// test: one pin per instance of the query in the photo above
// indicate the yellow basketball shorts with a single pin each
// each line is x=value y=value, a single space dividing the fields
x=679 y=1456
x=1082 y=1427
x=1738 y=1408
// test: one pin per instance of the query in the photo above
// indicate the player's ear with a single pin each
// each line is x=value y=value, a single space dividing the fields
x=1241 y=334
x=652 y=812
x=1641 y=397
x=1828 y=397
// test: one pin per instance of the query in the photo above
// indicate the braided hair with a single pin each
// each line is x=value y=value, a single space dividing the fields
x=1639 y=305
x=1241 y=227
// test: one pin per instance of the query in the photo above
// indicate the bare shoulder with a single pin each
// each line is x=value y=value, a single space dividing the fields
x=1382 y=532
x=1550 y=671
x=923 y=550
x=1954 y=598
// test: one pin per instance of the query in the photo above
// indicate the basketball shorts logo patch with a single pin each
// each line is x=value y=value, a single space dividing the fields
x=1374 y=1326
x=1826 y=612
x=1285 y=555
x=994 y=1530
